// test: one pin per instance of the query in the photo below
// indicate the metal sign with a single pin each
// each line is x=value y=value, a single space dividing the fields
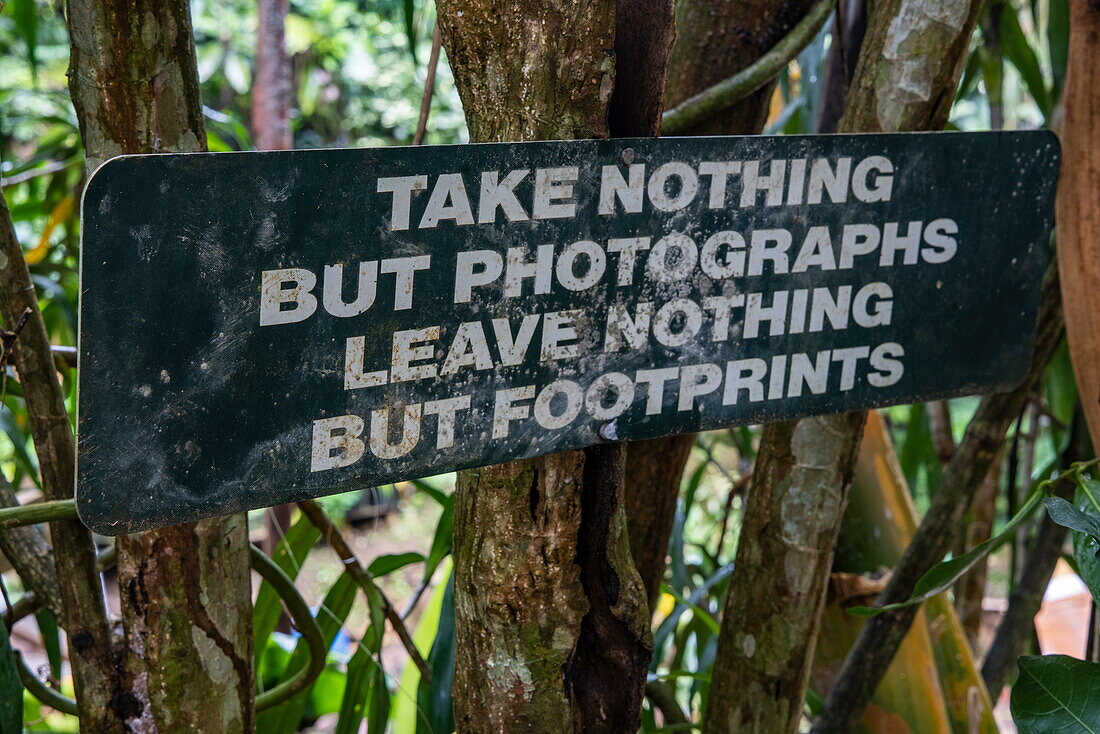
x=257 y=328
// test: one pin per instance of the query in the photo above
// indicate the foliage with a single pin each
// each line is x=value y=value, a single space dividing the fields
x=358 y=68
x=1056 y=693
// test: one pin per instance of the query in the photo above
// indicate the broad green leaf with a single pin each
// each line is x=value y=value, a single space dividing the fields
x=378 y=712
x=441 y=541
x=1086 y=556
x=1058 y=41
x=390 y=562
x=1056 y=694
x=409 y=12
x=353 y=707
x=25 y=14
x=434 y=701
x=11 y=688
x=47 y=626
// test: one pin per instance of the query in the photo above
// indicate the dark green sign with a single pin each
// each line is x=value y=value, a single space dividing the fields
x=257 y=328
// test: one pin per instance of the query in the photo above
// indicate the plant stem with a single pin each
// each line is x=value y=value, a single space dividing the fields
x=732 y=90
x=365 y=580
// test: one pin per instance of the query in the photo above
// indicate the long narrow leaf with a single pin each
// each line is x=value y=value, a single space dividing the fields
x=289 y=555
x=334 y=610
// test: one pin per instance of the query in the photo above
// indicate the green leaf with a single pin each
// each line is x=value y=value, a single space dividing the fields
x=434 y=701
x=11 y=688
x=378 y=713
x=943 y=575
x=47 y=625
x=409 y=8
x=1058 y=41
x=1019 y=52
x=390 y=562
x=1086 y=556
x=25 y=15
x=289 y=555
x=353 y=707
x=1056 y=694
x=1066 y=515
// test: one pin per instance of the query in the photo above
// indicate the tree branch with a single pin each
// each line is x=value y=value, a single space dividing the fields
x=429 y=88
x=729 y=92
x=365 y=581
x=878 y=642
x=85 y=615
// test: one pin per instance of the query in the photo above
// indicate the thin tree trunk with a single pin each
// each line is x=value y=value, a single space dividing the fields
x=100 y=701
x=184 y=590
x=1078 y=208
x=932 y=685
x=551 y=622
x=904 y=42
x=711 y=44
x=795 y=504
x=271 y=82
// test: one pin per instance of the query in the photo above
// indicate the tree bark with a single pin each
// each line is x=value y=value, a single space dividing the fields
x=654 y=469
x=551 y=623
x=271 y=82
x=905 y=79
x=699 y=58
x=184 y=590
x=84 y=617
x=795 y=504
x=714 y=40
x=1078 y=209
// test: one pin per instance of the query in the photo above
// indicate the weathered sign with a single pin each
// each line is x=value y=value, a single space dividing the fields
x=257 y=328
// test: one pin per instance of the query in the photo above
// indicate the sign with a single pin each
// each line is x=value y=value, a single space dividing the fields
x=257 y=328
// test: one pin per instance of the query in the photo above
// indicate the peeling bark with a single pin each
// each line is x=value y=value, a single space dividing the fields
x=909 y=65
x=712 y=42
x=551 y=622
x=184 y=590
x=795 y=505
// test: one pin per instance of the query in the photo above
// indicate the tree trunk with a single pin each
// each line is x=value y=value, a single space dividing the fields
x=551 y=622
x=1079 y=210
x=271 y=82
x=933 y=684
x=905 y=78
x=714 y=40
x=184 y=590
x=795 y=504
x=711 y=44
